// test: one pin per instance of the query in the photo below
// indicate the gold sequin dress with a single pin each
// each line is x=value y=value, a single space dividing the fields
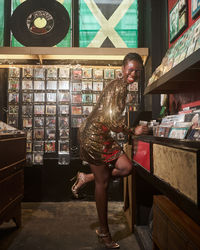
x=96 y=143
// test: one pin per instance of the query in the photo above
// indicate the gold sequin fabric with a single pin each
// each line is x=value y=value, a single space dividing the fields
x=95 y=133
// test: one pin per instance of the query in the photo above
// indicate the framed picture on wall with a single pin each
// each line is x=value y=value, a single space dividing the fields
x=173 y=22
x=195 y=8
x=178 y=19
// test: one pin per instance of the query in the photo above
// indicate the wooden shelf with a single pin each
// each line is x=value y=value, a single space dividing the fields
x=69 y=55
x=184 y=77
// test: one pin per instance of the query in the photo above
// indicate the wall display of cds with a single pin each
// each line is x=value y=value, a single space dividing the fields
x=50 y=103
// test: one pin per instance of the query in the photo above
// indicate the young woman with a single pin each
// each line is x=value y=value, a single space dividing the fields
x=105 y=157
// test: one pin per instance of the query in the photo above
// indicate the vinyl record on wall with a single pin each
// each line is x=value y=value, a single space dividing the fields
x=40 y=23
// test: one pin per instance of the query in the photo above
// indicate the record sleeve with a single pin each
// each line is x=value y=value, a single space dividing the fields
x=109 y=73
x=39 y=134
x=13 y=98
x=64 y=85
x=38 y=122
x=50 y=134
x=51 y=85
x=97 y=86
x=39 y=85
x=50 y=146
x=51 y=121
x=13 y=109
x=27 y=72
x=27 y=122
x=51 y=97
x=98 y=73
x=39 y=97
x=51 y=72
x=76 y=86
x=63 y=146
x=64 y=133
x=13 y=85
x=87 y=73
x=27 y=97
x=87 y=85
x=64 y=72
x=76 y=110
x=27 y=110
x=38 y=146
x=39 y=109
x=50 y=109
x=14 y=72
x=38 y=158
x=87 y=98
x=39 y=73
x=77 y=73
x=27 y=85
x=63 y=122
x=64 y=109
x=64 y=97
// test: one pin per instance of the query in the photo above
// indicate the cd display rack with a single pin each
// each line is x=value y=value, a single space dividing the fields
x=49 y=103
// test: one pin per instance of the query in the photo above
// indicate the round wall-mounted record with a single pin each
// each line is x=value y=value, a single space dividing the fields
x=40 y=23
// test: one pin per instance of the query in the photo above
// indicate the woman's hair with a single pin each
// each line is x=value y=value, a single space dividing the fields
x=132 y=57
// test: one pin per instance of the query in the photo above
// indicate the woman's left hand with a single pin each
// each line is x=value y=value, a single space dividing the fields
x=141 y=129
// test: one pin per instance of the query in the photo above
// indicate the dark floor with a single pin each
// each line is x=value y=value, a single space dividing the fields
x=64 y=225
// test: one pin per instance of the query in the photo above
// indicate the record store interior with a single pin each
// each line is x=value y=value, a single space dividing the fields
x=58 y=60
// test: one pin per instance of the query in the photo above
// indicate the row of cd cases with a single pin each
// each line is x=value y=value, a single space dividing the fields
x=64 y=72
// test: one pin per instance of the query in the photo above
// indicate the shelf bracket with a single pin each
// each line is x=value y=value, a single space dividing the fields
x=40 y=59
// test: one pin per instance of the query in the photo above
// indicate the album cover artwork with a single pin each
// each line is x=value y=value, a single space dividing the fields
x=64 y=85
x=64 y=72
x=38 y=158
x=64 y=109
x=28 y=134
x=133 y=86
x=27 y=72
x=39 y=97
x=50 y=109
x=51 y=121
x=76 y=110
x=13 y=121
x=76 y=86
x=51 y=85
x=50 y=134
x=87 y=73
x=64 y=133
x=13 y=85
x=38 y=122
x=76 y=122
x=27 y=85
x=39 y=109
x=39 y=134
x=50 y=146
x=98 y=73
x=95 y=98
x=39 y=85
x=118 y=73
x=87 y=110
x=87 y=98
x=63 y=146
x=132 y=98
x=29 y=146
x=64 y=97
x=63 y=122
x=38 y=146
x=14 y=72
x=77 y=73
x=27 y=97
x=63 y=159
x=27 y=110
x=87 y=85
x=51 y=97
x=13 y=109
x=27 y=122
x=51 y=72
x=109 y=73
x=76 y=98
x=13 y=98
x=39 y=73
x=97 y=86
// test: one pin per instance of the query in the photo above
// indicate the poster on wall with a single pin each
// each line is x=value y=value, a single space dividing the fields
x=178 y=19
x=195 y=8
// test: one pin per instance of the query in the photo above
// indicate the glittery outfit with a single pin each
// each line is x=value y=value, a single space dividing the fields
x=96 y=143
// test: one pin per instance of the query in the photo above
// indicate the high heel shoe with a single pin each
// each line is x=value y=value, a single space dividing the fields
x=79 y=178
x=102 y=236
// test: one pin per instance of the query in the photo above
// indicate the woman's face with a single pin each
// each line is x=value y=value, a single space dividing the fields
x=131 y=71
